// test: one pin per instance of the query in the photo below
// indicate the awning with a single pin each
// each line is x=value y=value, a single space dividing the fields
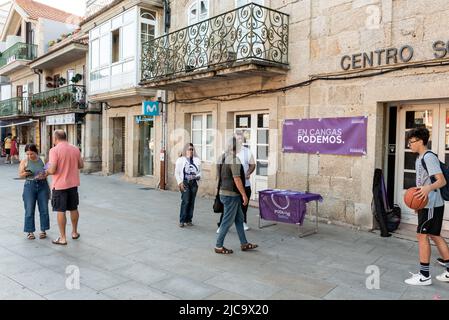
x=17 y=124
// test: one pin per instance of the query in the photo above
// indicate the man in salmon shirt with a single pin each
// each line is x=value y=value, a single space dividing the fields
x=64 y=164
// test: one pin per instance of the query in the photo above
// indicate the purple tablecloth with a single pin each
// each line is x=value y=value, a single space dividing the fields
x=285 y=205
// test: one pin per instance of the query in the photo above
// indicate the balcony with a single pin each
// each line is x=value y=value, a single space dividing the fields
x=16 y=57
x=14 y=108
x=250 y=40
x=71 y=98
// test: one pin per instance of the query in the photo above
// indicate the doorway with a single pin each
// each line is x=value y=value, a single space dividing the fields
x=146 y=148
x=255 y=129
x=435 y=117
x=118 y=145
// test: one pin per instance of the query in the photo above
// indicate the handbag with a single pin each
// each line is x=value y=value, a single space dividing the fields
x=218 y=206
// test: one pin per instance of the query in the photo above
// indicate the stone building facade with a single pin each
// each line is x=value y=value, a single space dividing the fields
x=130 y=142
x=328 y=39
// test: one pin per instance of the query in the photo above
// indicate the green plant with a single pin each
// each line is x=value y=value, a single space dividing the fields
x=62 y=81
x=51 y=43
x=77 y=78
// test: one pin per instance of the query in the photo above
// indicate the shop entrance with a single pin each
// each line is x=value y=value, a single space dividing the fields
x=254 y=127
x=146 y=148
x=118 y=145
x=434 y=117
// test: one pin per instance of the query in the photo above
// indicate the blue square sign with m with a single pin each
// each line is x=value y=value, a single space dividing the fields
x=150 y=108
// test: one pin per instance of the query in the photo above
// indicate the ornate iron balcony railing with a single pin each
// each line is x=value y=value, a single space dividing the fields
x=70 y=97
x=250 y=33
x=14 y=107
x=19 y=51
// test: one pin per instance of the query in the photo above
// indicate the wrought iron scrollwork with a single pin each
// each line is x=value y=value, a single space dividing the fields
x=249 y=33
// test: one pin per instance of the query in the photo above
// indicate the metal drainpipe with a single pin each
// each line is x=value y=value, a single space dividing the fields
x=163 y=185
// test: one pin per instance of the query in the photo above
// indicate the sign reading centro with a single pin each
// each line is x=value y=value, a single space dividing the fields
x=342 y=136
x=389 y=56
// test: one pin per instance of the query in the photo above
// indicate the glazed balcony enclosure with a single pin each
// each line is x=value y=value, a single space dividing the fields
x=71 y=98
x=16 y=57
x=14 y=108
x=250 y=40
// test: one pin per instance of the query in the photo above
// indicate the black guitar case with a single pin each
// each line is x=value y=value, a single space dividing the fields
x=378 y=206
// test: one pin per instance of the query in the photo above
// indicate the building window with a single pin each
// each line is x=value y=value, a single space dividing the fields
x=113 y=53
x=203 y=136
x=70 y=76
x=128 y=41
x=116 y=46
x=147 y=26
x=263 y=145
x=198 y=11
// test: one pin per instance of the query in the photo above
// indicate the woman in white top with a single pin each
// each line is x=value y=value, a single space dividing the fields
x=187 y=173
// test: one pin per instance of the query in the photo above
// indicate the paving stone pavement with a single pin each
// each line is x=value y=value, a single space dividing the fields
x=132 y=248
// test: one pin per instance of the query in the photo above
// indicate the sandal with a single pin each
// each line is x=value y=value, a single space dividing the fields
x=223 y=251
x=249 y=246
x=31 y=236
x=189 y=224
x=76 y=237
x=42 y=235
x=181 y=225
x=58 y=242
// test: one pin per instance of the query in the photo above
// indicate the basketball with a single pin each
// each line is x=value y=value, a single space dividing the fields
x=411 y=199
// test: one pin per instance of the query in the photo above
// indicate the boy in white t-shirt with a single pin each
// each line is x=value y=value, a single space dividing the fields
x=429 y=180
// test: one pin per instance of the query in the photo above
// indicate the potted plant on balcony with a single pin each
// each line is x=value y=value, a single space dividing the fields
x=67 y=96
x=62 y=81
x=77 y=78
x=50 y=85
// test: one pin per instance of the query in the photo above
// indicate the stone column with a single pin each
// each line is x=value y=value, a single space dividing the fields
x=92 y=149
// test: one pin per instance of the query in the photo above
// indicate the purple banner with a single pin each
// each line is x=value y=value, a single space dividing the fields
x=285 y=206
x=342 y=136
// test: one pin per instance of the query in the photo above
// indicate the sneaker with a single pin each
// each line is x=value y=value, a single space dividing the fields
x=418 y=280
x=218 y=230
x=444 y=277
x=440 y=261
x=245 y=226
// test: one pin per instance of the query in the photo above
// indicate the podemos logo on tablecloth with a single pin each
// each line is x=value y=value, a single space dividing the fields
x=281 y=210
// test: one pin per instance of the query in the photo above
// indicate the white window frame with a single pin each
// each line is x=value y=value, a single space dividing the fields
x=107 y=29
x=197 y=4
x=148 y=22
x=204 y=131
x=262 y=145
x=69 y=79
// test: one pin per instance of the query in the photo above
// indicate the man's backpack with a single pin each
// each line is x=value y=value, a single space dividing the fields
x=445 y=169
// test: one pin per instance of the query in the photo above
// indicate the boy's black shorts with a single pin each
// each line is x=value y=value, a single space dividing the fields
x=430 y=221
